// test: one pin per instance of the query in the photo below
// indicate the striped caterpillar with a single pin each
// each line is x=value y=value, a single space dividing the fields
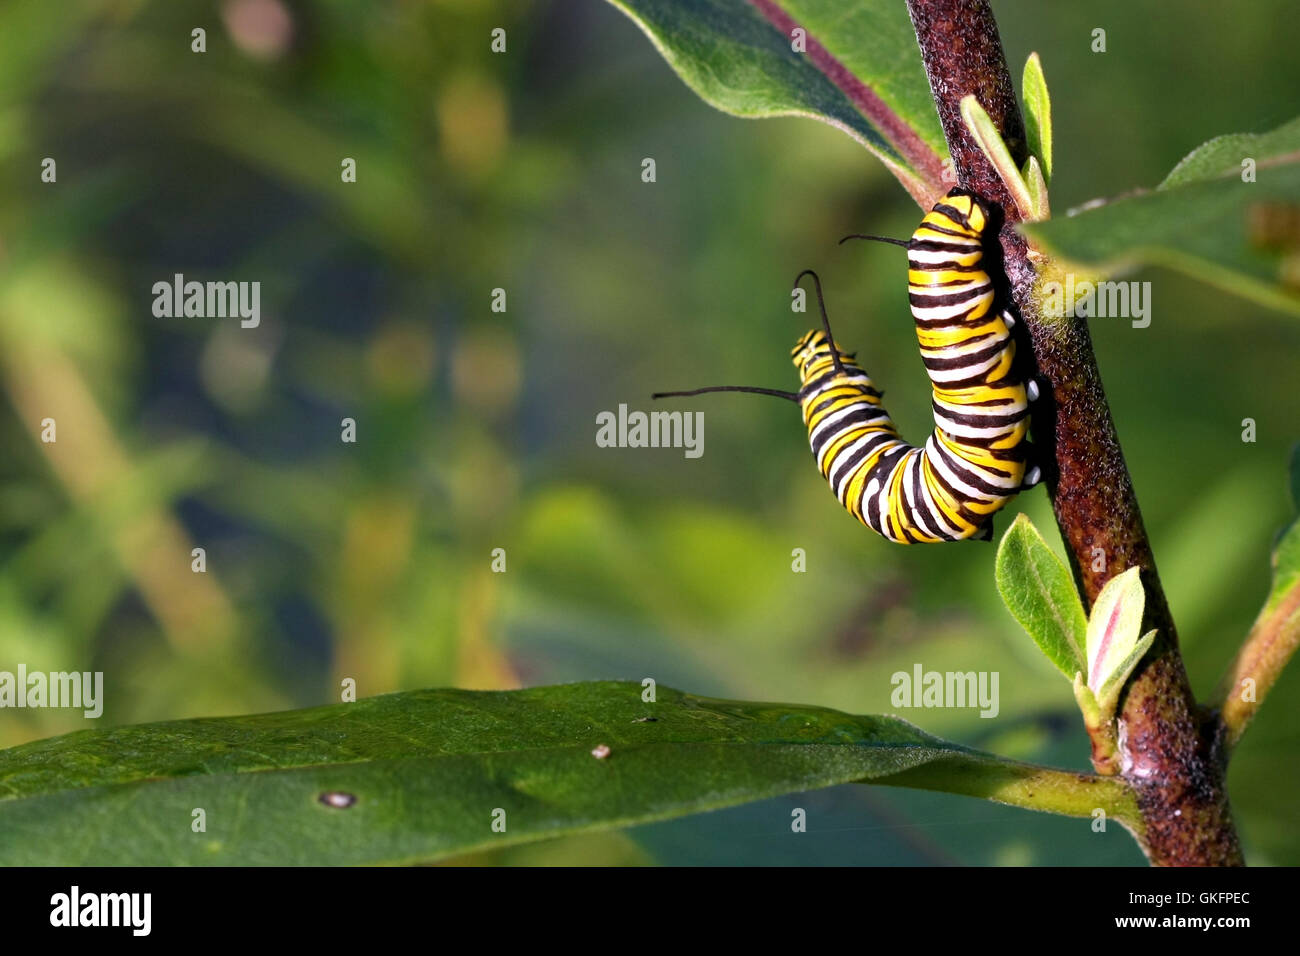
x=976 y=459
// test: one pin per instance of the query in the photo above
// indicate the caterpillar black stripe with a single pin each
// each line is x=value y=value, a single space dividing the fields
x=977 y=458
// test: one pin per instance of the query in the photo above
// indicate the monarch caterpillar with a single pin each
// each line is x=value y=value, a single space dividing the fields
x=976 y=459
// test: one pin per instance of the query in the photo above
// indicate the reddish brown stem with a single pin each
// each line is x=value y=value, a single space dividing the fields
x=1171 y=753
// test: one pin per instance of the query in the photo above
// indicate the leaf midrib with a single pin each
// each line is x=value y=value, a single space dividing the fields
x=937 y=752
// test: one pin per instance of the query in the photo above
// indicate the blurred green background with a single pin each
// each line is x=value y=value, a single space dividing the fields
x=476 y=430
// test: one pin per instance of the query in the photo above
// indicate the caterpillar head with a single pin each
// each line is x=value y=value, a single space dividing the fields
x=971 y=209
x=812 y=355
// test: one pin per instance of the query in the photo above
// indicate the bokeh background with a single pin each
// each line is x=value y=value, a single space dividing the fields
x=476 y=430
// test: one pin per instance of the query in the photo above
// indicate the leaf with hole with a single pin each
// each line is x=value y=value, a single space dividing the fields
x=429 y=774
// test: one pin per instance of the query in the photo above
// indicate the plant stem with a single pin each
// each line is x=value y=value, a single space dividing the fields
x=1025 y=785
x=1263 y=655
x=1170 y=752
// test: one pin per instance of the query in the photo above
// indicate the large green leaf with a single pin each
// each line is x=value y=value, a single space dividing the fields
x=861 y=70
x=1202 y=220
x=428 y=769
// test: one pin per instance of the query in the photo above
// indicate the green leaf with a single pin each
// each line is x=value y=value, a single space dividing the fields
x=1203 y=220
x=1114 y=628
x=1038 y=114
x=427 y=769
x=1039 y=592
x=1286 y=553
x=860 y=71
x=1037 y=186
x=995 y=149
x=1222 y=156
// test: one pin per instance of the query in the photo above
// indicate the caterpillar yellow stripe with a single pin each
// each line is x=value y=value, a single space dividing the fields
x=977 y=457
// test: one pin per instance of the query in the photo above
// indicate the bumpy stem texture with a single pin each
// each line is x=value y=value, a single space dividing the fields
x=1170 y=752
